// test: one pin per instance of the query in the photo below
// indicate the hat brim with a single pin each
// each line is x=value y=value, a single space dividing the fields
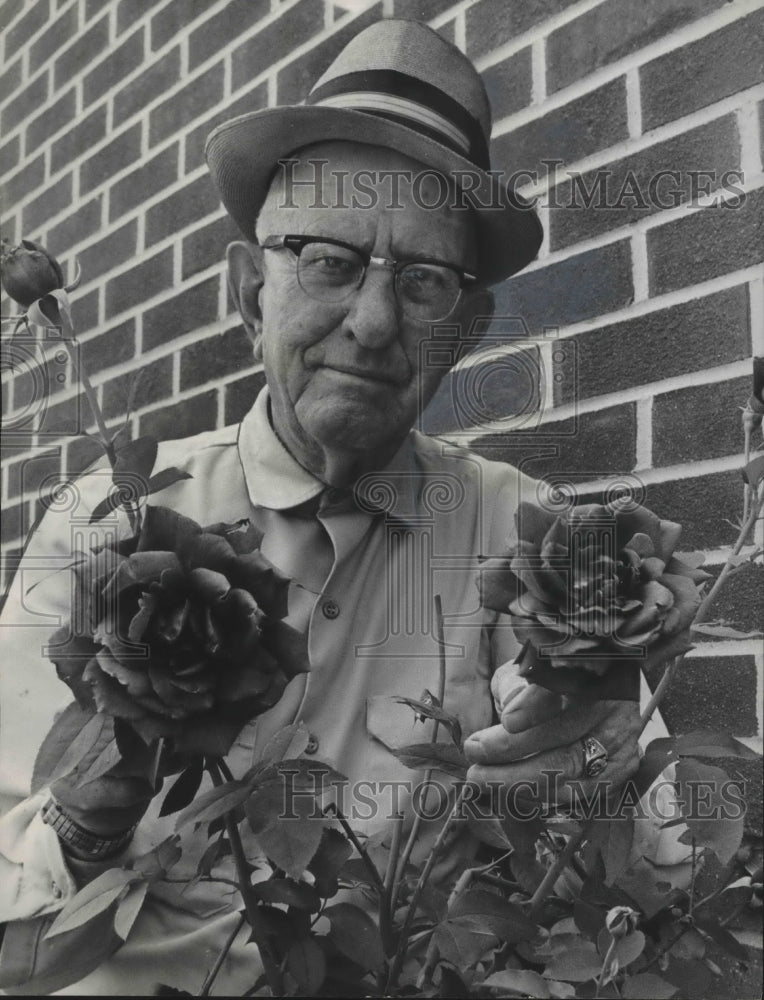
x=243 y=155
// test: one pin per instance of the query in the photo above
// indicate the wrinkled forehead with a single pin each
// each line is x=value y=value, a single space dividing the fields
x=352 y=190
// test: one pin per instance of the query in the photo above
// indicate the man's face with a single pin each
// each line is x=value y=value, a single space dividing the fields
x=348 y=375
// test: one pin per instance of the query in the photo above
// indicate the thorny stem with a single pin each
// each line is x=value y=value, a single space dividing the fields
x=353 y=838
x=416 y=825
x=67 y=331
x=212 y=974
x=256 y=922
x=397 y=964
x=554 y=872
x=386 y=899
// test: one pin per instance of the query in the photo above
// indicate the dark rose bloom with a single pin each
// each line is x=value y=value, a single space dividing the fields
x=178 y=632
x=595 y=587
x=29 y=272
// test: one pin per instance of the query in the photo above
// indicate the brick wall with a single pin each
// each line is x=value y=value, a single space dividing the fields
x=643 y=309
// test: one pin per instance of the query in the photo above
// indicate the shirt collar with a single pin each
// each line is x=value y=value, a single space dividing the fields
x=277 y=480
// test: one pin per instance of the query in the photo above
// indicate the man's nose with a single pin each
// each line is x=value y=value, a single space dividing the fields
x=373 y=316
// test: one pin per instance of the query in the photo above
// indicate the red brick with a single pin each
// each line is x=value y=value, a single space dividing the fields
x=583 y=126
x=295 y=26
x=227 y=26
x=175 y=113
x=490 y=23
x=114 y=249
x=130 y=11
x=85 y=310
x=611 y=31
x=508 y=84
x=180 y=209
x=206 y=246
x=35 y=17
x=50 y=121
x=740 y=601
x=194 y=307
x=124 y=149
x=699 y=422
x=10 y=78
x=570 y=290
x=591 y=445
x=624 y=191
x=25 y=103
x=141 y=282
x=254 y=100
x=9 y=10
x=701 y=505
x=138 y=388
x=71 y=416
x=112 y=347
x=240 y=395
x=14 y=524
x=81 y=453
x=722 y=63
x=155 y=79
x=10 y=153
x=129 y=192
x=707 y=243
x=693 y=700
x=119 y=62
x=706 y=332
x=421 y=10
x=191 y=416
x=54 y=199
x=94 y=41
x=33 y=472
x=76 y=227
x=216 y=356
x=78 y=139
x=295 y=80
x=63 y=27
x=170 y=21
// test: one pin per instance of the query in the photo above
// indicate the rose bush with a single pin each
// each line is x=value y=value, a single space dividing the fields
x=178 y=632
x=596 y=586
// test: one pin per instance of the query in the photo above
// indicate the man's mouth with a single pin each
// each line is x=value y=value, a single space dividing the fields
x=367 y=374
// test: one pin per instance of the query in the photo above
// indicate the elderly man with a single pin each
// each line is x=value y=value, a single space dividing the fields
x=368 y=216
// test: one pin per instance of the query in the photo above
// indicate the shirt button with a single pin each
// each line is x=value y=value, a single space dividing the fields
x=57 y=893
x=331 y=609
x=312 y=746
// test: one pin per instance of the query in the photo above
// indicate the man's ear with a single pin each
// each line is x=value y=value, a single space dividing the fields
x=245 y=281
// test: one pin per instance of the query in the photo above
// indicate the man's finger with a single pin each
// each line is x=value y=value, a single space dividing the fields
x=497 y=746
x=530 y=708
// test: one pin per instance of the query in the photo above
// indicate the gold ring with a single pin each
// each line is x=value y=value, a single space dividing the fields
x=595 y=757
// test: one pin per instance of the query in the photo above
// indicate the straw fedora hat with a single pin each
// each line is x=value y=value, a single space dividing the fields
x=396 y=84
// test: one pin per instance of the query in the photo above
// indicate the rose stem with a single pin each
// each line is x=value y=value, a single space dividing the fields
x=103 y=433
x=256 y=922
x=212 y=974
x=401 y=867
x=400 y=954
x=352 y=837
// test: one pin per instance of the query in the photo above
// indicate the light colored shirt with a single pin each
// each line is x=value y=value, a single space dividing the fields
x=365 y=575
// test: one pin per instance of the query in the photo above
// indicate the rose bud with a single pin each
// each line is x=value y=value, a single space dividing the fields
x=29 y=272
x=621 y=920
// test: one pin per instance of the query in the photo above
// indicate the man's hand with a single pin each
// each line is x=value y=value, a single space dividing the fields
x=109 y=805
x=541 y=730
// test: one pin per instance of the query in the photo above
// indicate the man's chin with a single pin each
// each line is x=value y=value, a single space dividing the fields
x=354 y=423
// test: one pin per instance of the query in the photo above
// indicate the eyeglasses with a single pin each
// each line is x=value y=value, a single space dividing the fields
x=331 y=270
